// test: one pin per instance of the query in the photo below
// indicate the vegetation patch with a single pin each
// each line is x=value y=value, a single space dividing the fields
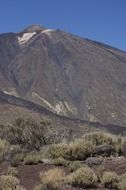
x=110 y=180
x=32 y=158
x=52 y=179
x=83 y=178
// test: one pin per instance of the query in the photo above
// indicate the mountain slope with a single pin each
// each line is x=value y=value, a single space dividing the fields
x=68 y=75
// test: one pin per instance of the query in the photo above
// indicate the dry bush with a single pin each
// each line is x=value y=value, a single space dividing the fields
x=110 y=180
x=74 y=165
x=12 y=171
x=4 y=149
x=122 y=182
x=100 y=138
x=27 y=133
x=82 y=178
x=104 y=138
x=57 y=150
x=52 y=178
x=40 y=187
x=32 y=158
x=8 y=182
x=17 y=159
x=79 y=150
x=60 y=162
x=99 y=172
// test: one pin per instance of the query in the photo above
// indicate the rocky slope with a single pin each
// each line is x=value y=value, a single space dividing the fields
x=68 y=75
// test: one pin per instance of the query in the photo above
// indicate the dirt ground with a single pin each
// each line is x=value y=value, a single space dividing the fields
x=29 y=174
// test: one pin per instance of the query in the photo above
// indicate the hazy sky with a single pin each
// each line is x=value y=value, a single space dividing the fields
x=101 y=20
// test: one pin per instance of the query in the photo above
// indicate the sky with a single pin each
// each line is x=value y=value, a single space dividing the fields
x=100 y=20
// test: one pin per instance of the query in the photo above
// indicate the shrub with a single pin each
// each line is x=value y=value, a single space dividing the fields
x=83 y=178
x=17 y=159
x=110 y=180
x=104 y=138
x=4 y=149
x=100 y=138
x=12 y=171
x=57 y=150
x=33 y=158
x=20 y=157
x=14 y=150
x=52 y=178
x=99 y=172
x=27 y=133
x=40 y=187
x=122 y=182
x=74 y=165
x=79 y=150
x=60 y=162
x=8 y=182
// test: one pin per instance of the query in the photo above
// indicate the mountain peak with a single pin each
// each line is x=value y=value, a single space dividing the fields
x=34 y=28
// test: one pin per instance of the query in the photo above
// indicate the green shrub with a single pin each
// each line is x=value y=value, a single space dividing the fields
x=110 y=180
x=20 y=157
x=32 y=159
x=122 y=182
x=57 y=150
x=8 y=182
x=104 y=138
x=14 y=150
x=4 y=149
x=100 y=138
x=27 y=133
x=79 y=150
x=12 y=171
x=82 y=178
x=60 y=162
x=17 y=159
x=74 y=165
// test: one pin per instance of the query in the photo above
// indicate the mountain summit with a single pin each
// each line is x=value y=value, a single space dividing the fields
x=33 y=28
x=66 y=74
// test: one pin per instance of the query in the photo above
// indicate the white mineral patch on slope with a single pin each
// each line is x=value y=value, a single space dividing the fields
x=13 y=92
x=25 y=37
x=34 y=94
x=68 y=107
x=58 y=108
x=48 y=31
